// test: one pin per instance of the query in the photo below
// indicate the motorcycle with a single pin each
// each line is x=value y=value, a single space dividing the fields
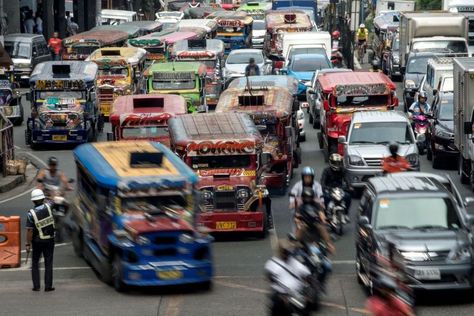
x=421 y=126
x=336 y=55
x=336 y=210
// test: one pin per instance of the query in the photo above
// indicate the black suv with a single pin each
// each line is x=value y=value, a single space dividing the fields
x=419 y=221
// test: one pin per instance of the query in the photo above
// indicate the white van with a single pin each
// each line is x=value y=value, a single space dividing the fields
x=306 y=41
x=114 y=17
x=438 y=78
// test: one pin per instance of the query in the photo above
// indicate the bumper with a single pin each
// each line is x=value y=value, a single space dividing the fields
x=59 y=136
x=453 y=277
x=357 y=177
x=444 y=148
x=235 y=221
x=182 y=272
x=22 y=75
x=257 y=42
x=11 y=112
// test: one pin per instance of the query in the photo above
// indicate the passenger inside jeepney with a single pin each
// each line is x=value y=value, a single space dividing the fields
x=267 y=129
x=144 y=132
x=5 y=97
x=220 y=162
x=153 y=205
x=113 y=71
x=368 y=100
x=174 y=85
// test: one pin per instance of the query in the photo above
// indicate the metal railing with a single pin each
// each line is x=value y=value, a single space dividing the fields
x=7 y=147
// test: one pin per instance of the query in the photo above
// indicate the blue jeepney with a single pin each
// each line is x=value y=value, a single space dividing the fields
x=64 y=109
x=134 y=216
x=234 y=29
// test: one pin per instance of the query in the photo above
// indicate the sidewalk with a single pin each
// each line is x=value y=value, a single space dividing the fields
x=9 y=183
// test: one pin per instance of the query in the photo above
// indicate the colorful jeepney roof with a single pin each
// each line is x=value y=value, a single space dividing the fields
x=258 y=82
x=288 y=20
x=194 y=49
x=231 y=18
x=274 y=100
x=189 y=25
x=110 y=165
x=101 y=37
x=172 y=70
x=254 y=8
x=117 y=56
x=215 y=134
x=131 y=30
x=63 y=75
x=134 y=109
x=356 y=83
x=145 y=26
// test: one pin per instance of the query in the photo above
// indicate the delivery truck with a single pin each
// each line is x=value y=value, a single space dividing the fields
x=432 y=31
x=394 y=5
x=466 y=8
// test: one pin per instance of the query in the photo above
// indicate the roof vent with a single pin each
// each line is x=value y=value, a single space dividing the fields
x=61 y=70
x=251 y=100
x=114 y=52
x=146 y=159
x=148 y=103
x=199 y=43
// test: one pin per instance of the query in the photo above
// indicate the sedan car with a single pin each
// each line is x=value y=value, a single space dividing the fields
x=391 y=60
x=238 y=60
x=303 y=66
x=440 y=136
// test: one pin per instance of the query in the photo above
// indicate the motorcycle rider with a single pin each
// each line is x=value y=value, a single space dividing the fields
x=385 y=302
x=419 y=107
x=395 y=162
x=287 y=276
x=52 y=176
x=362 y=36
x=333 y=177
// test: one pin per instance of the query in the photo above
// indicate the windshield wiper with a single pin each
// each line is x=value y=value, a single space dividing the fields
x=404 y=142
x=362 y=142
x=430 y=227
x=383 y=142
x=393 y=227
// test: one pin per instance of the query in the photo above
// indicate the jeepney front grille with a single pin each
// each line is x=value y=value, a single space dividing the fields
x=106 y=95
x=155 y=50
x=225 y=200
x=373 y=162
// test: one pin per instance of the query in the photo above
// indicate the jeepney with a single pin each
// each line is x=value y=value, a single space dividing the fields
x=64 y=109
x=120 y=73
x=145 y=27
x=270 y=108
x=210 y=52
x=230 y=4
x=234 y=29
x=187 y=79
x=145 y=116
x=228 y=165
x=10 y=102
x=256 y=9
x=157 y=44
x=80 y=46
x=343 y=93
x=207 y=26
x=131 y=30
x=278 y=22
x=133 y=219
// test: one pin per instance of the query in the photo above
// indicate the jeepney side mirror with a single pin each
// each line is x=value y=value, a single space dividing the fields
x=110 y=136
x=326 y=105
x=435 y=92
x=342 y=139
x=268 y=61
x=311 y=91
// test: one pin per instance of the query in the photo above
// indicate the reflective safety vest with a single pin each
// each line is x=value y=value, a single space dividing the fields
x=43 y=223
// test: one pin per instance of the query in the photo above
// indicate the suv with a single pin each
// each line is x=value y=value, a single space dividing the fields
x=368 y=137
x=417 y=222
x=314 y=99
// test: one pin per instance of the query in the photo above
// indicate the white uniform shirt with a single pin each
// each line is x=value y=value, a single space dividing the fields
x=297 y=191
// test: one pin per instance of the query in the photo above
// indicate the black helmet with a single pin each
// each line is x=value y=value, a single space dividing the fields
x=307 y=195
x=386 y=283
x=251 y=60
x=52 y=161
x=393 y=148
x=423 y=95
x=308 y=215
x=335 y=162
x=307 y=171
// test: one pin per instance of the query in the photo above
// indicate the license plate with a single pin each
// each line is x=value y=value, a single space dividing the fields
x=427 y=274
x=60 y=138
x=226 y=225
x=170 y=275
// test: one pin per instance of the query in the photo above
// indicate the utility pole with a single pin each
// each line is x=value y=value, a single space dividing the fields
x=98 y=14
x=3 y=22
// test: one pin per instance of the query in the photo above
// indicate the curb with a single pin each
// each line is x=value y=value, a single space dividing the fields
x=15 y=181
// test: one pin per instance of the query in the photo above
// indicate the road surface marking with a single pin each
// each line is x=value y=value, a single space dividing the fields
x=174 y=304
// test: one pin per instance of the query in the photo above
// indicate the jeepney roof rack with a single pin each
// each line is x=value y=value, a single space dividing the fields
x=146 y=159
x=197 y=43
x=61 y=70
x=111 y=52
x=151 y=102
x=251 y=100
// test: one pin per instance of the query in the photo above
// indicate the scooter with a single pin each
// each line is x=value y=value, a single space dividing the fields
x=421 y=125
x=336 y=210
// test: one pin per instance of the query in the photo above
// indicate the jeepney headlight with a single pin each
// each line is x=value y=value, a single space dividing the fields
x=242 y=194
x=141 y=240
x=186 y=238
x=22 y=65
x=206 y=196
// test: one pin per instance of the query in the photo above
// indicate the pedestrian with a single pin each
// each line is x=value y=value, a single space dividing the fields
x=72 y=27
x=29 y=23
x=39 y=23
x=40 y=232
x=252 y=68
x=54 y=45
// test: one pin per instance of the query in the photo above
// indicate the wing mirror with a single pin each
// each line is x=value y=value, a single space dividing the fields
x=364 y=222
x=435 y=92
x=469 y=201
x=311 y=91
x=342 y=139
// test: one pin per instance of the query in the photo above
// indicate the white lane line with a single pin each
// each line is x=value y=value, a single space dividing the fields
x=356 y=63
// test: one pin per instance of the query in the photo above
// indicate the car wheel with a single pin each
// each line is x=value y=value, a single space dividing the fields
x=117 y=275
x=462 y=168
x=436 y=161
x=310 y=119
x=429 y=152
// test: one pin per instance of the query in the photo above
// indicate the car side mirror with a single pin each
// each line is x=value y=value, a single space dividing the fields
x=283 y=71
x=364 y=222
x=342 y=139
x=326 y=105
x=467 y=128
x=435 y=92
x=110 y=136
x=311 y=91
x=469 y=201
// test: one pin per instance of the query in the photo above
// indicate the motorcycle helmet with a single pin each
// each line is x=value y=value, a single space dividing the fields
x=336 y=34
x=393 y=149
x=307 y=171
x=335 y=162
x=37 y=194
x=375 y=65
x=307 y=195
x=362 y=26
x=52 y=161
x=422 y=95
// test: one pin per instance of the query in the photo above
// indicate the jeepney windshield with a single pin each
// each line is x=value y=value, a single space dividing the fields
x=84 y=49
x=237 y=31
x=5 y=96
x=216 y=162
x=18 y=49
x=145 y=132
x=175 y=84
x=444 y=46
x=153 y=204
x=113 y=71
x=61 y=94
x=366 y=100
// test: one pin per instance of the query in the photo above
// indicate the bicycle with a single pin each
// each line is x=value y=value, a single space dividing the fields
x=361 y=51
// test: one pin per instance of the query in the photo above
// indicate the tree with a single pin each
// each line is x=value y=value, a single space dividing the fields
x=428 y=4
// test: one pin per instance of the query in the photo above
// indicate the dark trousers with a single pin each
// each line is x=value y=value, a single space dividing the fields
x=45 y=248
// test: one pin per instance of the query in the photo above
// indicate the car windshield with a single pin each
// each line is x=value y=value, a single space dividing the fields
x=61 y=95
x=416 y=213
x=380 y=133
x=259 y=25
x=446 y=110
x=309 y=64
x=370 y=100
x=144 y=132
x=306 y=50
x=243 y=58
x=448 y=84
x=18 y=49
x=417 y=65
x=114 y=71
x=216 y=162
x=453 y=46
x=174 y=85
x=154 y=204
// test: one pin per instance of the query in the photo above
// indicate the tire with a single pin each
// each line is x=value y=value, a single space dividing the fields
x=317 y=123
x=207 y=286
x=429 y=152
x=340 y=226
x=302 y=138
x=117 y=275
x=462 y=167
x=435 y=161
x=28 y=136
x=78 y=243
x=310 y=119
x=263 y=234
x=298 y=157
x=320 y=140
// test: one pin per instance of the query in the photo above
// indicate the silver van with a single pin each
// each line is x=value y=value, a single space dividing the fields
x=368 y=137
x=26 y=51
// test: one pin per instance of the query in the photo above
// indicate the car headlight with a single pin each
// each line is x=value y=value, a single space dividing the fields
x=459 y=254
x=413 y=159
x=23 y=65
x=396 y=60
x=231 y=72
x=186 y=238
x=410 y=84
x=442 y=133
x=355 y=160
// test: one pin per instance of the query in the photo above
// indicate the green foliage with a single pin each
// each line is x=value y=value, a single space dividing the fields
x=428 y=4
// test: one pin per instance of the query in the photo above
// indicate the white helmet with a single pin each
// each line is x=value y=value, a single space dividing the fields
x=37 y=195
x=362 y=26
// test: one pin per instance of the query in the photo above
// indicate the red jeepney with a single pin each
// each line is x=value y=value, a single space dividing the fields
x=224 y=149
x=145 y=116
x=271 y=110
x=343 y=93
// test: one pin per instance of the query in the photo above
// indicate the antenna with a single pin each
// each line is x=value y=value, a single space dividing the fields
x=249 y=87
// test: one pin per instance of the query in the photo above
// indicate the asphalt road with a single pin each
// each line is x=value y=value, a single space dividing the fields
x=239 y=287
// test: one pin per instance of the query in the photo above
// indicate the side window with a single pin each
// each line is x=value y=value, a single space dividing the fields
x=45 y=48
x=366 y=205
x=35 y=51
x=87 y=185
